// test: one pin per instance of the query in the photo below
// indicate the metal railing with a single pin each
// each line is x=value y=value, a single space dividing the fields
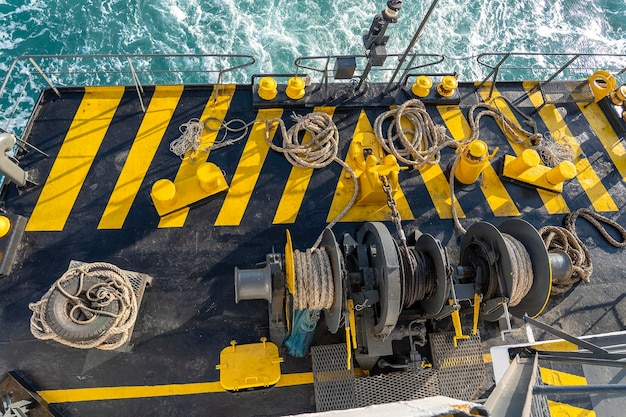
x=27 y=76
x=545 y=67
x=325 y=67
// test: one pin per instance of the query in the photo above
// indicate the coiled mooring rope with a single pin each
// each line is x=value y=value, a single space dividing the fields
x=315 y=288
x=318 y=152
x=112 y=285
x=550 y=151
x=567 y=239
x=427 y=138
x=522 y=269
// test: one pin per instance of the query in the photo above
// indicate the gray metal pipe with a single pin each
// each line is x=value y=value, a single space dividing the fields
x=7 y=167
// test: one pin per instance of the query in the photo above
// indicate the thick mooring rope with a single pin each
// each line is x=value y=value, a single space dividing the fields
x=550 y=151
x=315 y=287
x=567 y=239
x=113 y=285
x=427 y=138
x=318 y=152
x=522 y=269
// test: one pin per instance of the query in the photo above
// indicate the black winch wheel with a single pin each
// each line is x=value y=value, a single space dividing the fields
x=59 y=306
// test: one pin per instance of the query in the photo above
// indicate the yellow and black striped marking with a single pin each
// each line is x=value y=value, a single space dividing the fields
x=94 y=125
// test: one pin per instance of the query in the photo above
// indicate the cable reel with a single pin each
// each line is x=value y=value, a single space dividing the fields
x=499 y=262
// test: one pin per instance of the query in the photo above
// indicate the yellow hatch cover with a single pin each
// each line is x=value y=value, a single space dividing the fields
x=249 y=366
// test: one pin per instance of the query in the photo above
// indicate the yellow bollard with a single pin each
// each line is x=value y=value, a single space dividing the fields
x=164 y=193
x=447 y=86
x=560 y=173
x=528 y=159
x=295 y=88
x=602 y=83
x=267 y=88
x=207 y=177
x=422 y=85
x=618 y=96
x=5 y=226
x=474 y=160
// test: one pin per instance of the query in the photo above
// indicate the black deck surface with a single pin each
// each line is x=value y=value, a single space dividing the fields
x=189 y=314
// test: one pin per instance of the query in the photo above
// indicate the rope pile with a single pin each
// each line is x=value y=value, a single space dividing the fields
x=315 y=288
x=99 y=312
x=191 y=133
x=319 y=152
x=567 y=239
x=189 y=139
x=428 y=139
x=550 y=151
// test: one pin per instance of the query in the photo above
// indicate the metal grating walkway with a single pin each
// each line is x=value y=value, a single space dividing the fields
x=461 y=370
x=397 y=386
x=333 y=382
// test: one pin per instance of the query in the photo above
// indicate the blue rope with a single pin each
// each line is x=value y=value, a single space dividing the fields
x=300 y=339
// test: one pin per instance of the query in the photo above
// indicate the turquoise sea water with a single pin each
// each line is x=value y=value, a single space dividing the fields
x=277 y=31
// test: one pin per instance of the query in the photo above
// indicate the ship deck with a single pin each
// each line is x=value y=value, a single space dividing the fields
x=92 y=203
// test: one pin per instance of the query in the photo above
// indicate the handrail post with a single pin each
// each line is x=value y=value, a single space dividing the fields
x=411 y=44
x=494 y=71
x=45 y=77
x=138 y=86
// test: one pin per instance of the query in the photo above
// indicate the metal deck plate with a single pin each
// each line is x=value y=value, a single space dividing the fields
x=461 y=370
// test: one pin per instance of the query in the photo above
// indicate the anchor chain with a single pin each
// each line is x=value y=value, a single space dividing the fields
x=393 y=206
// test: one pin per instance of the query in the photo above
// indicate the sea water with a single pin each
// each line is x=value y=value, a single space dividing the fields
x=275 y=32
x=278 y=31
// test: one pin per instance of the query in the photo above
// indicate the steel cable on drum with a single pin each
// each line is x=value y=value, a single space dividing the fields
x=318 y=152
x=420 y=282
x=567 y=239
x=114 y=286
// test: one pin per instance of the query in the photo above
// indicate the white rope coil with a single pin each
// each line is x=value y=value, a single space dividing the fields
x=191 y=134
x=315 y=288
x=318 y=152
x=522 y=269
x=103 y=293
x=427 y=141
x=189 y=140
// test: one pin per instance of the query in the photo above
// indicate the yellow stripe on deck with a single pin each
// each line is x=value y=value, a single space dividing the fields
x=587 y=177
x=297 y=184
x=153 y=126
x=565 y=410
x=603 y=130
x=248 y=170
x=148 y=391
x=496 y=194
x=217 y=107
x=553 y=202
x=439 y=190
x=75 y=158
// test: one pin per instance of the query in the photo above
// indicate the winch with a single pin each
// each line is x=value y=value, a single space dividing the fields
x=382 y=290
